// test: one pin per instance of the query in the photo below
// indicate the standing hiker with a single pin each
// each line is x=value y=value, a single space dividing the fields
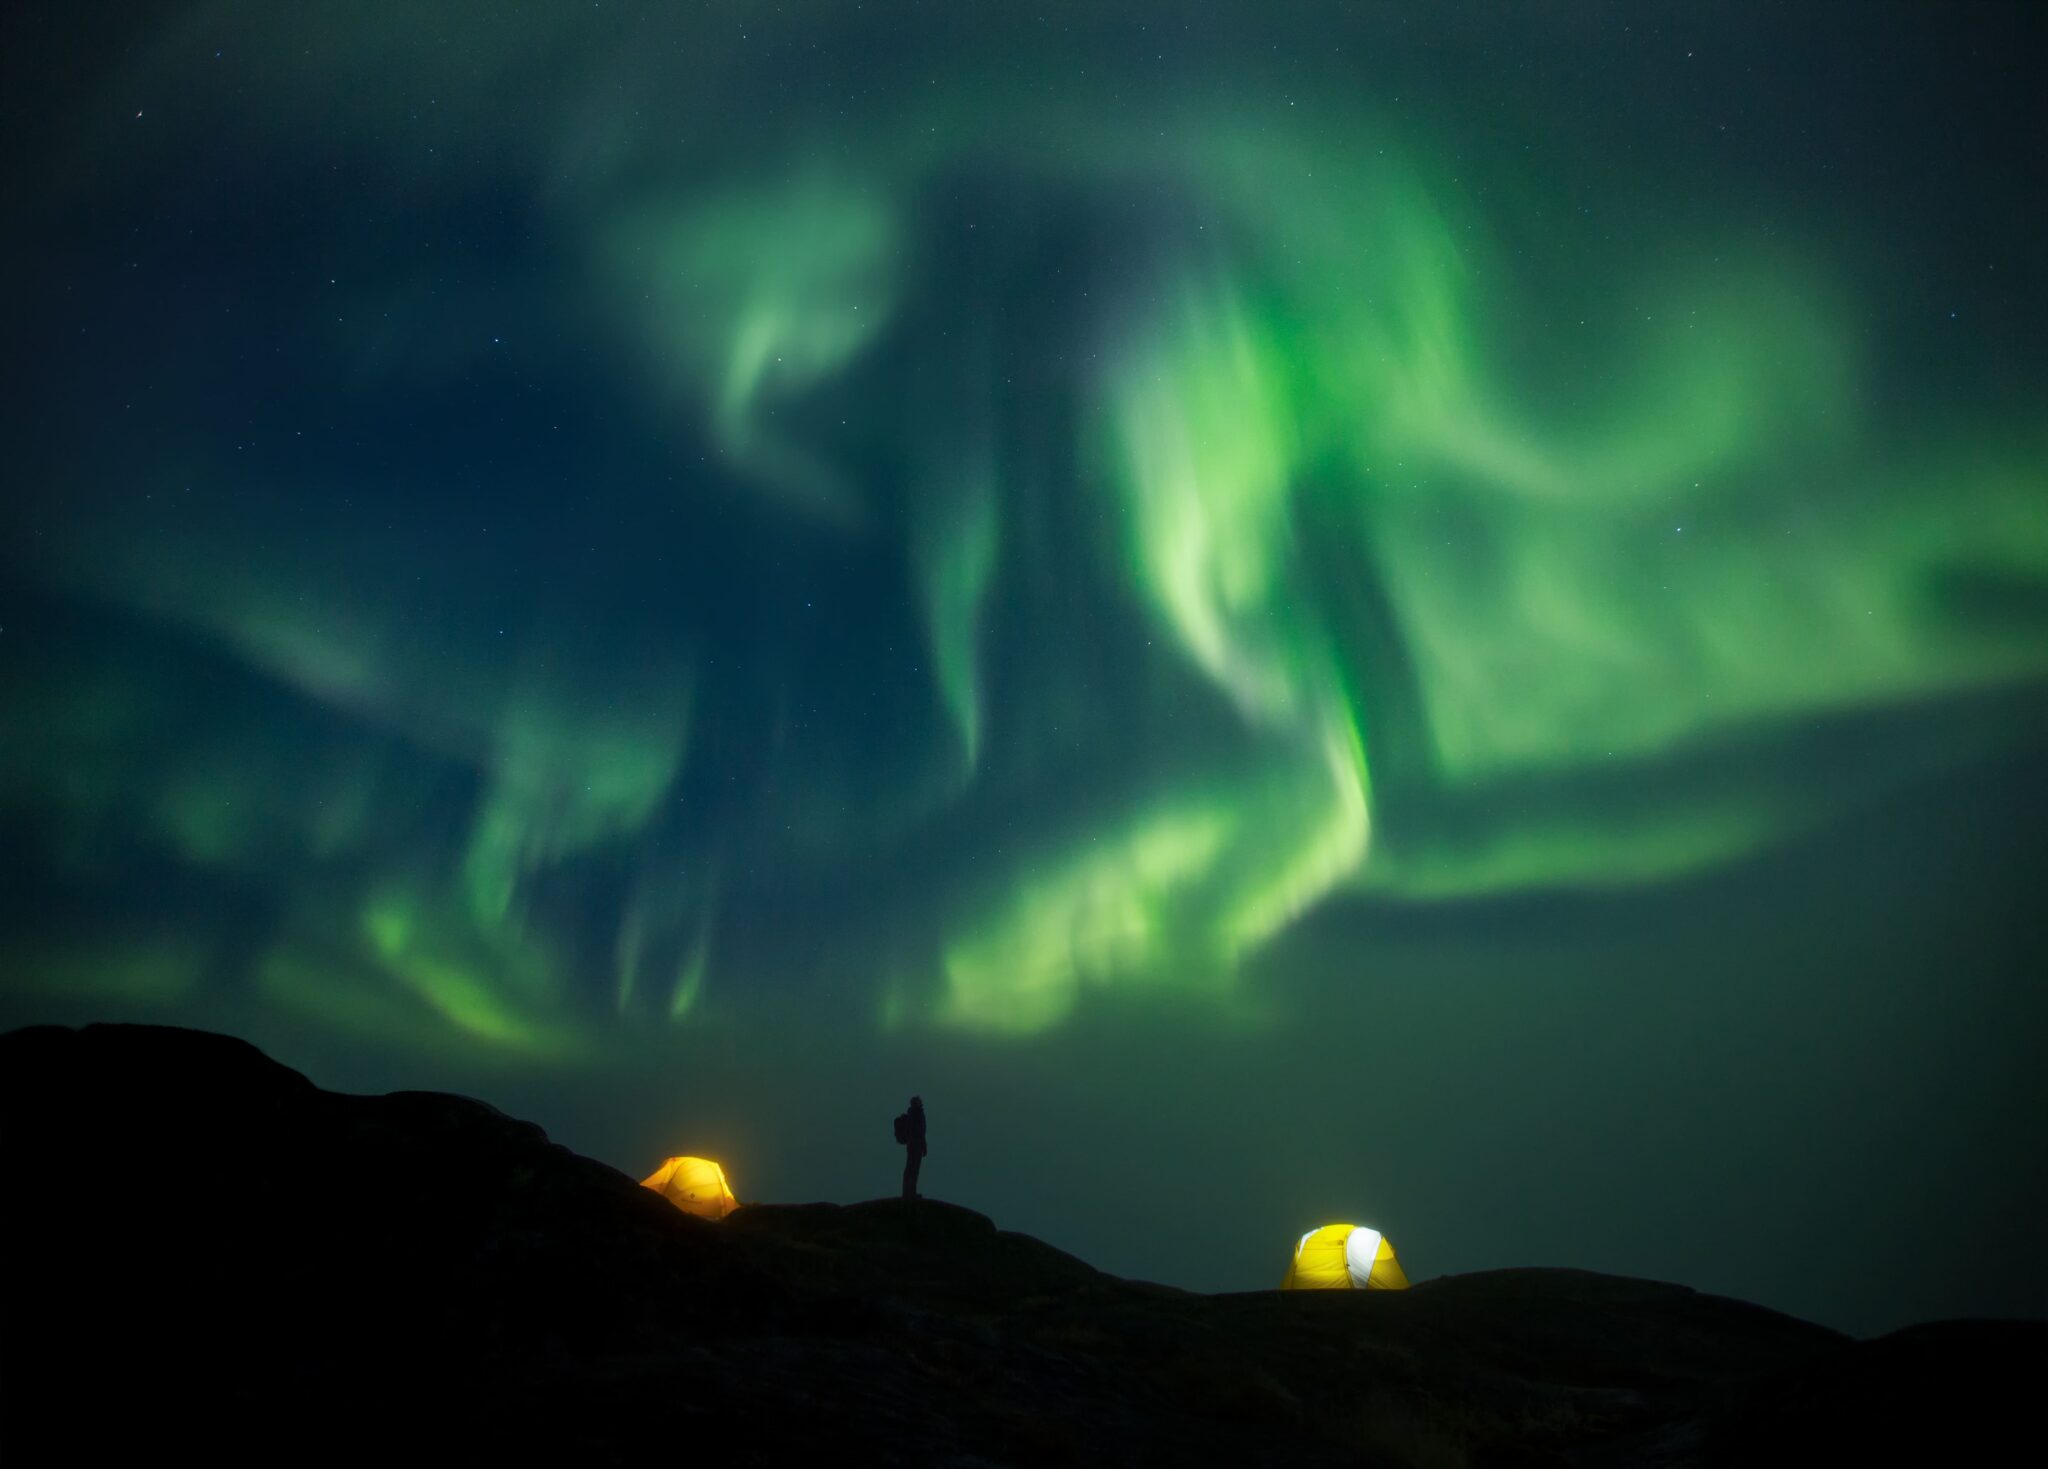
x=910 y=1133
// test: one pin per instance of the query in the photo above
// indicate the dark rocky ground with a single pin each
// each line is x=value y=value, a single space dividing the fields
x=207 y=1255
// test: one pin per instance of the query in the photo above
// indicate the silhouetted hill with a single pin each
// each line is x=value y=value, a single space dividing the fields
x=206 y=1253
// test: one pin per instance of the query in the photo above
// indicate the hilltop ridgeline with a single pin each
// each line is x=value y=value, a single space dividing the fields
x=206 y=1251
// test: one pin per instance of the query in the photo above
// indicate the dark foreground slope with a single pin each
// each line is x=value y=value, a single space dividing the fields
x=204 y=1251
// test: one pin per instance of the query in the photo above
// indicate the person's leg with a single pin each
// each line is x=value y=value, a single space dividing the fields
x=910 y=1166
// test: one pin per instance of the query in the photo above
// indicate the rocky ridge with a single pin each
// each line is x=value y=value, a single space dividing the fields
x=204 y=1251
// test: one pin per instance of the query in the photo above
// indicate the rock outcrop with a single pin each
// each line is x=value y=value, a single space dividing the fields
x=206 y=1253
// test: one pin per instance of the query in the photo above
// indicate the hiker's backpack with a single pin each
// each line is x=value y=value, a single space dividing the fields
x=902 y=1127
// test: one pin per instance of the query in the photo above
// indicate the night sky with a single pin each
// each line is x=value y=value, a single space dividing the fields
x=1429 y=615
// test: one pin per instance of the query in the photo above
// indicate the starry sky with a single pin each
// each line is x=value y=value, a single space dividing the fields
x=1434 y=615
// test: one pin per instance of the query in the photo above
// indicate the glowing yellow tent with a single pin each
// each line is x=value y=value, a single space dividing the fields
x=1344 y=1257
x=694 y=1185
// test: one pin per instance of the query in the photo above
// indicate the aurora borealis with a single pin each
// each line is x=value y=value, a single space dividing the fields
x=1151 y=573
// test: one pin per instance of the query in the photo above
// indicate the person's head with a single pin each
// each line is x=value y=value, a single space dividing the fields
x=917 y=1104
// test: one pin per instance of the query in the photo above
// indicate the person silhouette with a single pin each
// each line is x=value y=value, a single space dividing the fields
x=911 y=1135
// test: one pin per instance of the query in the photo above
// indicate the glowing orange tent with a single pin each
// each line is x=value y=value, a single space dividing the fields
x=694 y=1185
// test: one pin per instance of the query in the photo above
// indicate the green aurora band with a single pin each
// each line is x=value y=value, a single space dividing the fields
x=1269 y=530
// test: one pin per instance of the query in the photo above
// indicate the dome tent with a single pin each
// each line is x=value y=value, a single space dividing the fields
x=694 y=1185
x=1344 y=1257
